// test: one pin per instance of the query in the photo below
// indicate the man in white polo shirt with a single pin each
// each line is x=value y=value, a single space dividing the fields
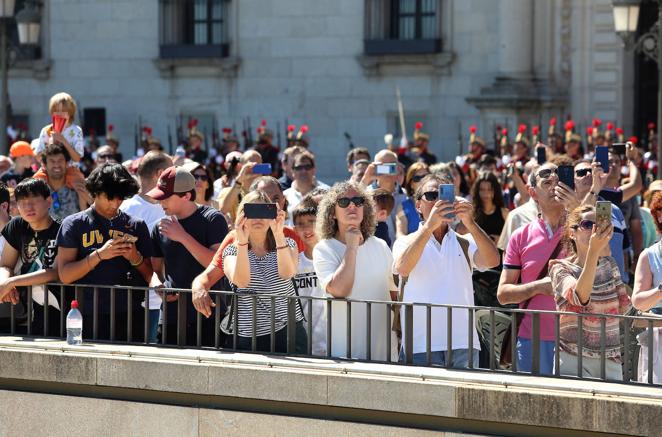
x=438 y=264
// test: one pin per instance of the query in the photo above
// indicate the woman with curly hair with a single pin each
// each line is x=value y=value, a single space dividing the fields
x=351 y=263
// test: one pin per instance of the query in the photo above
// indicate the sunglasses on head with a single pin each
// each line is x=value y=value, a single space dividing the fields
x=418 y=177
x=358 y=201
x=201 y=177
x=582 y=172
x=430 y=196
x=587 y=225
x=547 y=173
x=56 y=200
x=305 y=167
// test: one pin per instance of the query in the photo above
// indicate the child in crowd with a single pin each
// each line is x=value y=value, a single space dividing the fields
x=304 y=216
x=63 y=106
x=384 y=203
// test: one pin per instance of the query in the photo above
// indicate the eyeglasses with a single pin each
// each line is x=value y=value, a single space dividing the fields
x=430 y=196
x=56 y=200
x=304 y=167
x=547 y=172
x=358 y=201
x=201 y=177
x=418 y=177
x=586 y=225
x=583 y=172
x=105 y=157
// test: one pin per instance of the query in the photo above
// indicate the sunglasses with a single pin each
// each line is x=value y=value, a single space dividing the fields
x=201 y=177
x=56 y=201
x=547 y=173
x=587 y=225
x=105 y=157
x=418 y=177
x=430 y=196
x=358 y=201
x=305 y=167
x=582 y=172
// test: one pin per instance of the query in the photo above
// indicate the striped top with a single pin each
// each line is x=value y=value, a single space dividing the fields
x=609 y=296
x=264 y=283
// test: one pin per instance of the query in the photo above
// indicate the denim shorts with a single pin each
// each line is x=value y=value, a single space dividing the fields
x=459 y=358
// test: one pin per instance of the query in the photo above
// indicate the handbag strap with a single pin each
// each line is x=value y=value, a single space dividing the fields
x=545 y=268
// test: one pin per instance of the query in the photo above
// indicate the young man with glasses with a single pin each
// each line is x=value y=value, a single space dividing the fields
x=303 y=169
x=437 y=265
x=524 y=279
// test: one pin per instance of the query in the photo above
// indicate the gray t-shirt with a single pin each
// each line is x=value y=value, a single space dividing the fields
x=64 y=203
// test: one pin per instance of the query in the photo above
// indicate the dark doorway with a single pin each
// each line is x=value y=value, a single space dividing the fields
x=646 y=81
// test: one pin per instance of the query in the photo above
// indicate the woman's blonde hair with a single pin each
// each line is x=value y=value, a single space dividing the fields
x=257 y=197
x=66 y=101
x=572 y=222
x=327 y=225
x=411 y=172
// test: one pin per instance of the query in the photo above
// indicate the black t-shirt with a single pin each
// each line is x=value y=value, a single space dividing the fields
x=88 y=231
x=11 y=178
x=207 y=226
x=37 y=249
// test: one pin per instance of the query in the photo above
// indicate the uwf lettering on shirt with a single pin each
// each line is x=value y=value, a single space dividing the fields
x=94 y=237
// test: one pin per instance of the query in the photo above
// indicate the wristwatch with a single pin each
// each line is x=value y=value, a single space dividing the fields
x=659 y=287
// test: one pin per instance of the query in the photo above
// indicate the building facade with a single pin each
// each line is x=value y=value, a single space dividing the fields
x=333 y=65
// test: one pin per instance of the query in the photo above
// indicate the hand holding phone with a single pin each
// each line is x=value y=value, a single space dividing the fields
x=386 y=169
x=602 y=156
x=567 y=175
x=447 y=194
x=602 y=212
x=264 y=169
x=260 y=211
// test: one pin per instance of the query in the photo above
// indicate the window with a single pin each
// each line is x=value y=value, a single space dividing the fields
x=194 y=28
x=402 y=27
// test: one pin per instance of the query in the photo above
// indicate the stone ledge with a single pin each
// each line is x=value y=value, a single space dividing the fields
x=482 y=396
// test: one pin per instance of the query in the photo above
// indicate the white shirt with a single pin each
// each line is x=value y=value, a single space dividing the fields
x=73 y=133
x=372 y=281
x=308 y=285
x=441 y=276
x=151 y=214
x=294 y=197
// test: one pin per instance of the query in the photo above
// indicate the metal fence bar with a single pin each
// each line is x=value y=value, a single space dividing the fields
x=129 y=315
x=626 y=351
x=291 y=324
x=409 y=334
x=273 y=324
x=62 y=316
x=254 y=327
x=389 y=309
x=535 y=344
x=164 y=326
x=492 y=342
x=309 y=322
x=470 y=330
x=46 y=304
x=198 y=329
x=557 y=345
x=449 y=337
x=112 y=313
x=235 y=322
x=580 y=345
x=650 y=351
x=147 y=319
x=513 y=340
x=328 y=328
x=428 y=334
x=348 y=334
x=217 y=321
x=368 y=331
x=95 y=313
x=28 y=310
x=12 y=319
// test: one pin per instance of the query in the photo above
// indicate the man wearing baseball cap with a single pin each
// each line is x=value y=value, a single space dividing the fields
x=184 y=243
x=22 y=155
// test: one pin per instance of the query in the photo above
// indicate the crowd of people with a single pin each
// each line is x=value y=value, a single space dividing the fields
x=502 y=226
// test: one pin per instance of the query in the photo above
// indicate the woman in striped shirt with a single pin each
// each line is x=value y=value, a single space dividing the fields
x=589 y=282
x=260 y=264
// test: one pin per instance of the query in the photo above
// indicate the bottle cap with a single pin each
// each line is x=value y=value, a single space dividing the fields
x=74 y=304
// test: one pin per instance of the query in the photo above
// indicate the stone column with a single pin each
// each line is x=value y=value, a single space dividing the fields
x=516 y=38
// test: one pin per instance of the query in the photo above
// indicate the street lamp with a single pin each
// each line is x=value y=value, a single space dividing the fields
x=626 y=16
x=28 y=21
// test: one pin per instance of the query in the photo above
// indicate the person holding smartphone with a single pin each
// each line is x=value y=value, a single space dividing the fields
x=262 y=262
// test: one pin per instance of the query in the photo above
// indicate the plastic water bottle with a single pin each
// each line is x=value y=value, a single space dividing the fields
x=74 y=325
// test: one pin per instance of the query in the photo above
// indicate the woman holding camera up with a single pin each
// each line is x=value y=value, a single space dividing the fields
x=262 y=262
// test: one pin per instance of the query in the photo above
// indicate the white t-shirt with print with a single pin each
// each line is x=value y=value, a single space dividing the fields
x=308 y=285
x=73 y=133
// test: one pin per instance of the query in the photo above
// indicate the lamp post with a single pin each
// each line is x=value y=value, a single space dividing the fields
x=626 y=16
x=28 y=21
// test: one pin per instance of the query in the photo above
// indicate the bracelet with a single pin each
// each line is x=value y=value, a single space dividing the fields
x=99 y=256
x=236 y=184
x=140 y=261
x=282 y=247
x=242 y=244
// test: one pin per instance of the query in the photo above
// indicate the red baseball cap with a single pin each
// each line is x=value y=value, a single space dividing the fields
x=172 y=180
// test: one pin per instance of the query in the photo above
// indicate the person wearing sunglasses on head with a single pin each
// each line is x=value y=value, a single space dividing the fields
x=303 y=171
x=589 y=177
x=587 y=281
x=524 y=278
x=103 y=155
x=351 y=262
x=436 y=264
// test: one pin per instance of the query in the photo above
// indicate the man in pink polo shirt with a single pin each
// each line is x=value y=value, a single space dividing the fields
x=529 y=249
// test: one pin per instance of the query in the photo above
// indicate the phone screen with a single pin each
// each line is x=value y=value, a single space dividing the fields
x=386 y=169
x=602 y=212
x=602 y=156
x=541 y=156
x=447 y=194
x=260 y=211
x=567 y=175
x=262 y=169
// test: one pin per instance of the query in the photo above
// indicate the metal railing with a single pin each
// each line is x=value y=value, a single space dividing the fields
x=491 y=324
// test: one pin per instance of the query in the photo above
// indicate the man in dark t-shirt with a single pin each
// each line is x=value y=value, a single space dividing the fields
x=96 y=247
x=31 y=245
x=184 y=243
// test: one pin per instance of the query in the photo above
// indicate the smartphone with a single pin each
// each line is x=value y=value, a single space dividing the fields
x=602 y=212
x=386 y=169
x=618 y=149
x=602 y=156
x=129 y=238
x=541 y=155
x=262 y=169
x=567 y=175
x=260 y=211
x=180 y=151
x=447 y=194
